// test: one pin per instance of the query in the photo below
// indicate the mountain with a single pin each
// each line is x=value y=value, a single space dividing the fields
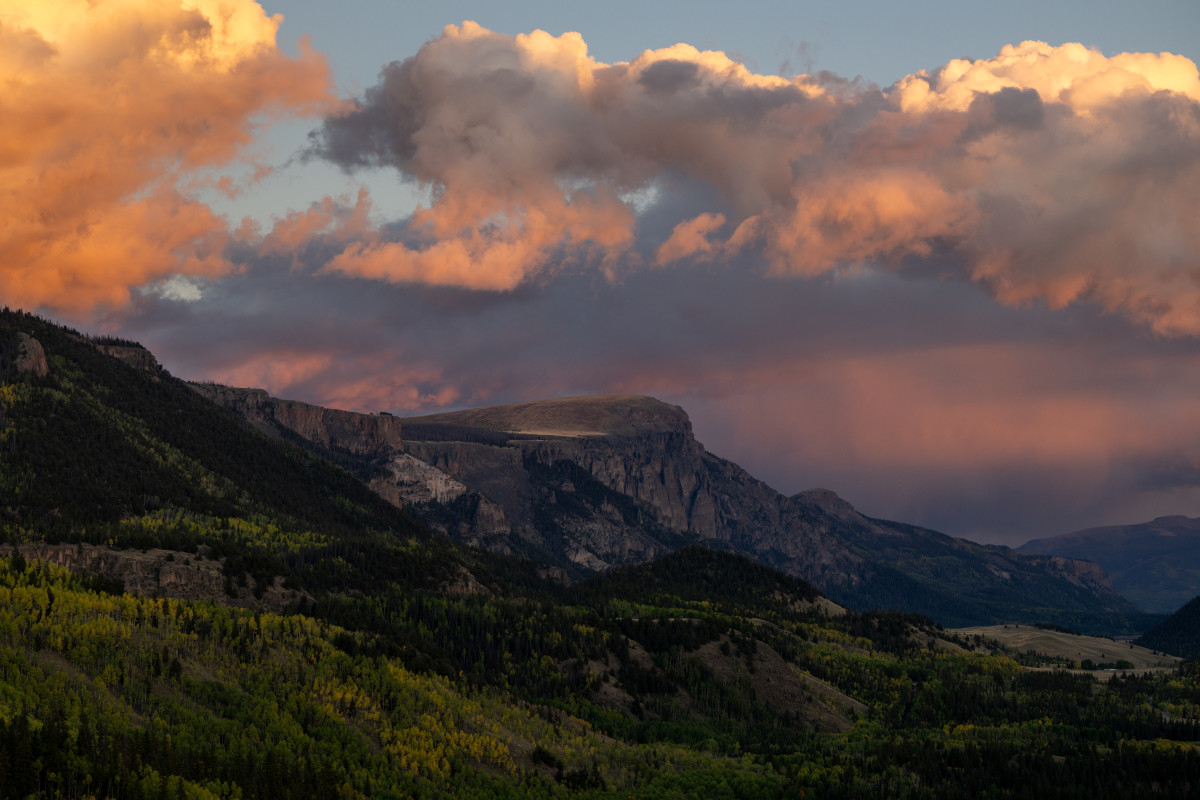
x=194 y=605
x=107 y=449
x=583 y=484
x=1154 y=564
x=586 y=483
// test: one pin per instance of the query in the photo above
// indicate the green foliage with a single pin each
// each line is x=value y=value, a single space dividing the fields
x=698 y=575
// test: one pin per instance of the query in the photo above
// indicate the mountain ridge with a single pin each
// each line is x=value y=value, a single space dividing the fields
x=588 y=483
x=584 y=484
x=364 y=435
x=1155 y=564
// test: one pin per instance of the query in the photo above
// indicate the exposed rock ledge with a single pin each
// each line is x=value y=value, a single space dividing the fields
x=158 y=573
x=32 y=357
x=136 y=357
x=367 y=435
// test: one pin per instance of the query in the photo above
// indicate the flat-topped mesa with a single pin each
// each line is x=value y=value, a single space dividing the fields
x=592 y=415
x=366 y=435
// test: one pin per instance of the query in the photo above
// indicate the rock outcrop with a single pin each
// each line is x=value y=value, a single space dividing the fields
x=371 y=436
x=158 y=573
x=31 y=356
x=444 y=502
x=136 y=357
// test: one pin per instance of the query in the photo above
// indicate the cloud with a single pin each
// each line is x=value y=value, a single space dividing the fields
x=1050 y=174
x=639 y=227
x=112 y=110
x=690 y=238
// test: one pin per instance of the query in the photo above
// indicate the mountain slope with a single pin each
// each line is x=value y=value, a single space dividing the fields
x=97 y=451
x=1154 y=564
x=578 y=484
x=583 y=484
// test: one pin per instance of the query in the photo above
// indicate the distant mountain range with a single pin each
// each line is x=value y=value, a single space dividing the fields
x=587 y=483
x=1156 y=564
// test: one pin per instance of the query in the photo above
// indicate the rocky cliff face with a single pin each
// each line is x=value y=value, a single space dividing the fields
x=584 y=484
x=136 y=357
x=368 y=436
x=527 y=496
x=638 y=453
x=624 y=480
x=444 y=502
x=692 y=495
x=158 y=573
x=31 y=357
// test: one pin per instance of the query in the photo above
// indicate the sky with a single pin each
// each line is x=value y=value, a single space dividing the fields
x=941 y=258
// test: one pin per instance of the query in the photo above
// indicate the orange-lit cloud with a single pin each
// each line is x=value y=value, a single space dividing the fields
x=109 y=111
x=331 y=218
x=1048 y=174
x=337 y=381
x=498 y=255
x=691 y=238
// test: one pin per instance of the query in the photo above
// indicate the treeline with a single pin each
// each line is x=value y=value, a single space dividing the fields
x=112 y=341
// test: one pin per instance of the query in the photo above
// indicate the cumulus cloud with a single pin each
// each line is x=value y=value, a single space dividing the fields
x=1051 y=174
x=110 y=112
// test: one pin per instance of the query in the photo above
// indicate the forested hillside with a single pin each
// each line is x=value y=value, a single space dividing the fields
x=97 y=451
x=410 y=667
x=1178 y=634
